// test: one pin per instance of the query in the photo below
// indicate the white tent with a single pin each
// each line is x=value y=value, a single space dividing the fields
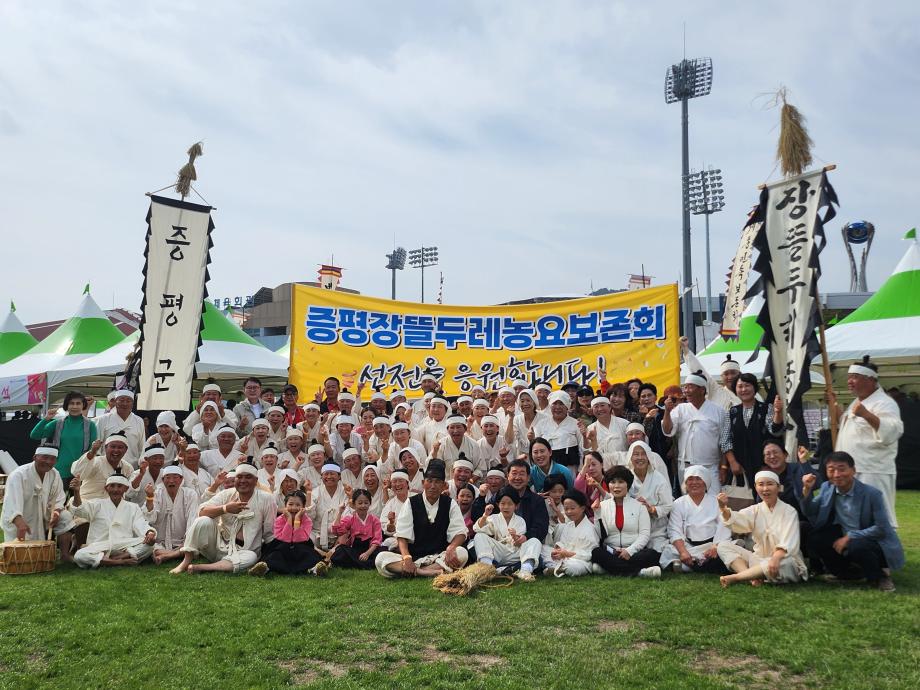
x=86 y=333
x=886 y=327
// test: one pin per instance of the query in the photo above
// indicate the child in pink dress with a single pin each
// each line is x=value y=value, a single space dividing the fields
x=360 y=533
x=292 y=551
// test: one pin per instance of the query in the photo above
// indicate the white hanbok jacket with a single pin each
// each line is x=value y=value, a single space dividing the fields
x=32 y=498
x=111 y=527
x=172 y=518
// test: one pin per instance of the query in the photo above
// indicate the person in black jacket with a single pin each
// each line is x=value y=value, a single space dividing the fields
x=430 y=532
x=752 y=423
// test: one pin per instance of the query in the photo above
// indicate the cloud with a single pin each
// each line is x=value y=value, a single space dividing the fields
x=530 y=141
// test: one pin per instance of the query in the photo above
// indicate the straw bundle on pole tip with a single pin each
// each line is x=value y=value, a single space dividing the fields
x=187 y=173
x=794 y=149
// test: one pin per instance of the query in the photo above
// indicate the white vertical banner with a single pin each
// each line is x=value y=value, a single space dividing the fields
x=175 y=275
x=737 y=282
x=789 y=244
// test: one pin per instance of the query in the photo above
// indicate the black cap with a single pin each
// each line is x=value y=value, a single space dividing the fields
x=570 y=384
x=436 y=470
x=585 y=390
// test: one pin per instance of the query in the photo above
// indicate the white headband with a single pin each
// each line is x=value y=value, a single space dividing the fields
x=311 y=406
x=399 y=475
x=543 y=387
x=381 y=420
x=696 y=380
x=495 y=473
x=315 y=448
x=124 y=394
x=481 y=402
x=347 y=396
x=635 y=426
x=729 y=365
x=864 y=371
x=440 y=401
x=349 y=452
x=344 y=419
x=261 y=422
x=293 y=431
x=246 y=468
x=400 y=426
x=330 y=467
x=276 y=408
x=506 y=389
x=600 y=400
x=766 y=474
x=117 y=479
x=116 y=437
x=456 y=419
x=192 y=446
x=47 y=450
x=463 y=463
x=172 y=470
x=378 y=396
x=211 y=387
x=464 y=398
x=211 y=404
x=372 y=468
x=490 y=419
x=154 y=450
x=397 y=394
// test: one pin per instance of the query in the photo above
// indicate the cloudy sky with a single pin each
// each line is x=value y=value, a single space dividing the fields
x=528 y=140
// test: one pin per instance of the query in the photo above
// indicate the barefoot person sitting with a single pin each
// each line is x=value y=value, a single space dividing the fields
x=430 y=532
x=118 y=532
x=231 y=527
x=170 y=509
x=774 y=528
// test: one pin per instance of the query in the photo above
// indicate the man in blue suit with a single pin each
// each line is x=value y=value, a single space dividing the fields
x=850 y=525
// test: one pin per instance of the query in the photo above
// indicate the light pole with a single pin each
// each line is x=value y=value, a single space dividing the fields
x=396 y=262
x=705 y=197
x=422 y=258
x=683 y=81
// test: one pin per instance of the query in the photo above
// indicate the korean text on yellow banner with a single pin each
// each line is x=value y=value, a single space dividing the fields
x=390 y=345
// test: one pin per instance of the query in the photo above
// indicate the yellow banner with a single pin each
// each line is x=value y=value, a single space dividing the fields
x=389 y=345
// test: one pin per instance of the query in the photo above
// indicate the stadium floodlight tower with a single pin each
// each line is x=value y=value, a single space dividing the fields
x=683 y=81
x=705 y=197
x=396 y=262
x=422 y=258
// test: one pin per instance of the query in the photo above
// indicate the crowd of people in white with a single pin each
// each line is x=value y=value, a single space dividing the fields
x=571 y=482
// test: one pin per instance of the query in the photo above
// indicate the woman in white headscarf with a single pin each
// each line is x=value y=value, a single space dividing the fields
x=652 y=490
x=694 y=527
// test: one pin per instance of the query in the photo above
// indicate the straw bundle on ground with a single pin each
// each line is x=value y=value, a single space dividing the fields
x=462 y=582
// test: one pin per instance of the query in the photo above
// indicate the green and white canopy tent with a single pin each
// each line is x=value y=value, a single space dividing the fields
x=86 y=333
x=749 y=336
x=886 y=327
x=226 y=355
x=14 y=338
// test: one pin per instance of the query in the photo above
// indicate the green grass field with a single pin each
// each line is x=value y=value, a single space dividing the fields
x=142 y=628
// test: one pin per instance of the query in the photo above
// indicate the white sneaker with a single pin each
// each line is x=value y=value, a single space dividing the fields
x=596 y=569
x=653 y=572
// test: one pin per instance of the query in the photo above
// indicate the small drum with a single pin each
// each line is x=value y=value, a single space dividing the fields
x=27 y=557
